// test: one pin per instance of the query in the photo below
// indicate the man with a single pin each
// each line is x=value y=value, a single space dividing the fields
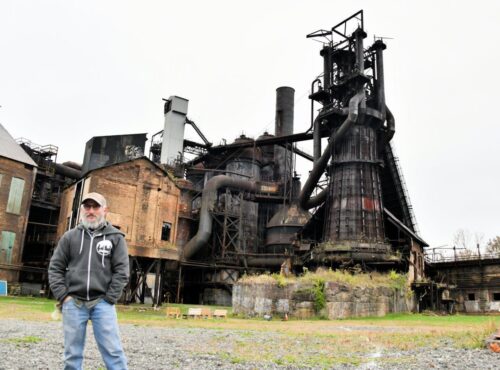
x=87 y=274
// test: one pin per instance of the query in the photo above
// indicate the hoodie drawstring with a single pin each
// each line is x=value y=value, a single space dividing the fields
x=81 y=244
x=103 y=238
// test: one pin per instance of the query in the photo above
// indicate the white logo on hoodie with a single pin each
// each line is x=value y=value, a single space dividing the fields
x=104 y=247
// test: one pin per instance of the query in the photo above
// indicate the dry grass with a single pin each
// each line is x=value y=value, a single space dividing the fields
x=374 y=279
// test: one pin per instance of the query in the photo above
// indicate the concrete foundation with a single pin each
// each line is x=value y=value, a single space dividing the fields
x=299 y=300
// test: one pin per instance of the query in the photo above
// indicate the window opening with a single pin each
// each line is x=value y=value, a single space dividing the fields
x=165 y=231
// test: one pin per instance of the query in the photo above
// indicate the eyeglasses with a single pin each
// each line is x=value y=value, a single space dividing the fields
x=87 y=206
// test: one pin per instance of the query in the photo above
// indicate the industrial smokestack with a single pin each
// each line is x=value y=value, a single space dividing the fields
x=173 y=131
x=284 y=111
x=283 y=127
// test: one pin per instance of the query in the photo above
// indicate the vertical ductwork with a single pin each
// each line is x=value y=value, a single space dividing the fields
x=305 y=200
x=173 y=132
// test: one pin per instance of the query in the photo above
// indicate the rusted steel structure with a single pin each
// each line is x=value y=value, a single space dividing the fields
x=50 y=180
x=467 y=283
x=198 y=215
x=251 y=211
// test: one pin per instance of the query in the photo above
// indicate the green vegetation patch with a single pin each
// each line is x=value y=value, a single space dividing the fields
x=23 y=340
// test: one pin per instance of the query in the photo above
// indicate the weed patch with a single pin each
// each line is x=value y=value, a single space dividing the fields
x=24 y=340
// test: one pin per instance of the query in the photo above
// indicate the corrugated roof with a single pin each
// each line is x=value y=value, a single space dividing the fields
x=10 y=149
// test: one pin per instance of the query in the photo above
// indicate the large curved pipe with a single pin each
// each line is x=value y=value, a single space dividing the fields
x=391 y=124
x=305 y=200
x=208 y=200
x=68 y=171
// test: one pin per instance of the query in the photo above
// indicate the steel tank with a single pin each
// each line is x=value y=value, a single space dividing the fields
x=245 y=164
x=283 y=227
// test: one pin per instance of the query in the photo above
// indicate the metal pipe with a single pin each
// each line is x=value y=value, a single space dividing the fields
x=316 y=140
x=208 y=200
x=359 y=35
x=336 y=136
x=198 y=131
x=326 y=53
x=265 y=261
x=391 y=124
x=68 y=171
x=312 y=103
x=379 y=47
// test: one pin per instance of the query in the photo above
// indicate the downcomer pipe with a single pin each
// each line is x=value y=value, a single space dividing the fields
x=208 y=200
x=305 y=200
x=391 y=124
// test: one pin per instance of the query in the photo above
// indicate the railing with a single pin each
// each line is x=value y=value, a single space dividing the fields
x=439 y=258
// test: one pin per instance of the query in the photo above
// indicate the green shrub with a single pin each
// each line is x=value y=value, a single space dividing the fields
x=318 y=292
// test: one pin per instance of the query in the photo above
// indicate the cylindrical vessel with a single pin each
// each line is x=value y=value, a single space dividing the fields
x=245 y=165
x=355 y=199
x=283 y=228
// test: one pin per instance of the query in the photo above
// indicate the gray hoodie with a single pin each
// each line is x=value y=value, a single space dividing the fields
x=88 y=265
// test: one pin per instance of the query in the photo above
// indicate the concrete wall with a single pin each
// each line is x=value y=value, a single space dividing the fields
x=297 y=300
x=14 y=222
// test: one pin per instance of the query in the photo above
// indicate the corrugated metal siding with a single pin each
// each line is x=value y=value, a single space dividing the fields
x=15 y=195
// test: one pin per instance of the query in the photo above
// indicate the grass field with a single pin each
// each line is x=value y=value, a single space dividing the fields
x=322 y=341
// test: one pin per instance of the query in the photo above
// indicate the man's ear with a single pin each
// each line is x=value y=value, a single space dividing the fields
x=105 y=210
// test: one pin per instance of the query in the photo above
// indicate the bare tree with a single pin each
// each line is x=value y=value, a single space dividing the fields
x=462 y=239
x=493 y=245
x=466 y=244
x=478 y=238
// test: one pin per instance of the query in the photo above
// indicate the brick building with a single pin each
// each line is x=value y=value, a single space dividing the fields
x=145 y=202
x=17 y=176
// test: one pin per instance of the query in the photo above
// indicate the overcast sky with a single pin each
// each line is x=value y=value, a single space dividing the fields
x=71 y=70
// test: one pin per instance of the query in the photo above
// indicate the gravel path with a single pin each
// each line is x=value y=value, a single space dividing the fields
x=188 y=348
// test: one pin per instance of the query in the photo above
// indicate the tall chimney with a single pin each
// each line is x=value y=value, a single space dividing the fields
x=283 y=127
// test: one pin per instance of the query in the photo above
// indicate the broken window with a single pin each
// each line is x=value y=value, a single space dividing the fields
x=471 y=297
x=496 y=296
x=165 y=231
x=15 y=195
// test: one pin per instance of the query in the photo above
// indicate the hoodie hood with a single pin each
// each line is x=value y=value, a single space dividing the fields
x=104 y=229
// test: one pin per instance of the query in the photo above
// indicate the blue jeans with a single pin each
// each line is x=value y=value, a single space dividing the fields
x=105 y=325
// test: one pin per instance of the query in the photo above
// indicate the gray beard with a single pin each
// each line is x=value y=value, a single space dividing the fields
x=93 y=224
